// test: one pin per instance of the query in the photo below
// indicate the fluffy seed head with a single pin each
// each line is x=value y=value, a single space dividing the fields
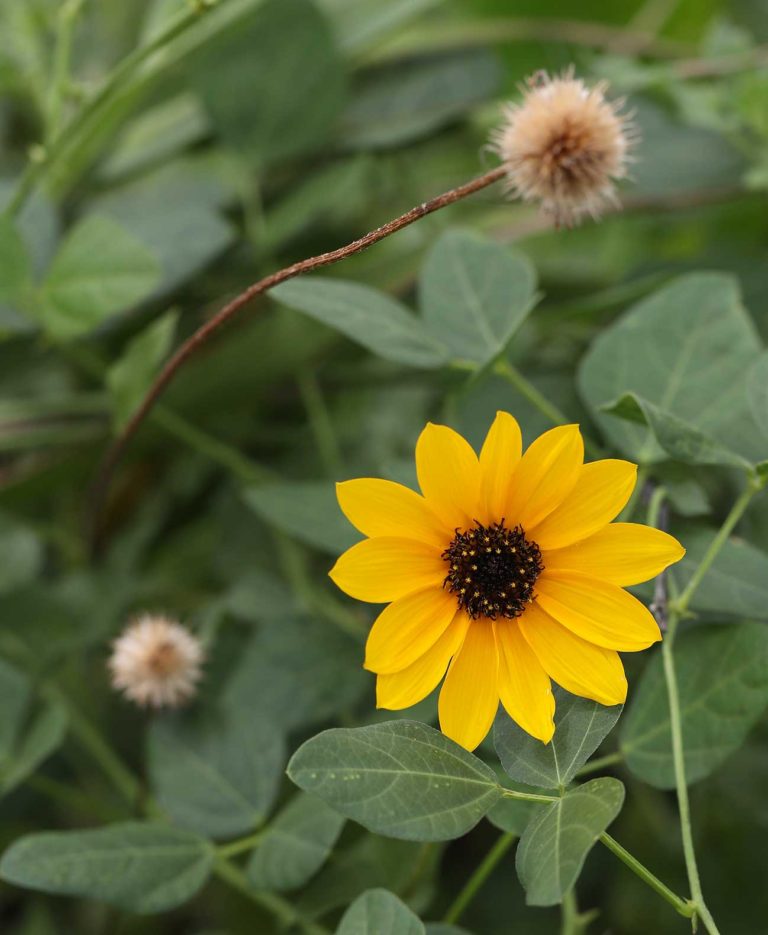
x=564 y=146
x=156 y=662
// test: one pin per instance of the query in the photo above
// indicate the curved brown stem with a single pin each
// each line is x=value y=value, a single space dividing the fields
x=231 y=309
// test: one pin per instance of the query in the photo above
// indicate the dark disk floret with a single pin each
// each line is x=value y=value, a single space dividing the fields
x=492 y=570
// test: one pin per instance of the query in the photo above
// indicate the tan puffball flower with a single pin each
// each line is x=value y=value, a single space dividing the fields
x=564 y=146
x=156 y=662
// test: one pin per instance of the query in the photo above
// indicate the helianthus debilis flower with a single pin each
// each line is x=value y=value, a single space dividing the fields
x=507 y=572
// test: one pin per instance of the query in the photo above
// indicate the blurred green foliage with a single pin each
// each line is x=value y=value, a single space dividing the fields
x=150 y=186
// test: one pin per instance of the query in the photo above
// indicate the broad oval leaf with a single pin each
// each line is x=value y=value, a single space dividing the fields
x=379 y=912
x=474 y=294
x=137 y=866
x=296 y=844
x=399 y=778
x=686 y=349
x=218 y=775
x=757 y=393
x=722 y=675
x=307 y=510
x=365 y=315
x=580 y=727
x=737 y=582
x=555 y=844
x=99 y=270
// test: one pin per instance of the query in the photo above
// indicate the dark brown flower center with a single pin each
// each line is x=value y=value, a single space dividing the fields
x=492 y=570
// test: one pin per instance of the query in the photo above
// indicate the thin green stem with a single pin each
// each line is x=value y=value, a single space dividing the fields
x=681 y=783
x=68 y=13
x=683 y=906
x=280 y=908
x=89 y=737
x=241 y=845
x=654 y=505
x=523 y=385
x=737 y=511
x=529 y=796
x=59 y=146
x=244 y=468
x=478 y=878
x=321 y=423
x=594 y=766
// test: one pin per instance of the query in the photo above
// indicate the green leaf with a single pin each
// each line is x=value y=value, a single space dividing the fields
x=580 y=727
x=403 y=101
x=365 y=315
x=136 y=866
x=399 y=778
x=442 y=928
x=737 y=582
x=681 y=441
x=368 y=863
x=722 y=675
x=15 y=264
x=307 y=510
x=273 y=82
x=130 y=377
x=22 y=553
x=296 y=844
x=217 y=775
x=37 y=740
x=555 y=844
x=474 y=294
x=15 y=693
x=99 y=270
x=757 y=392
x=686 y=349
x=298 y=687
x=381 y=912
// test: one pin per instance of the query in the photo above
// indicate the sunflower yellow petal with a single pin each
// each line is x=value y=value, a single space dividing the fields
x=578 y=666
x=407 y=628
x=469 y=697
x=597 y=611
x=449 y=475
x=499 y=457
x=600 y=493
x=383 y=508
x=397 y=690
x=524 y=686
x=383 y=569
x=622 y=553
x=545 y=476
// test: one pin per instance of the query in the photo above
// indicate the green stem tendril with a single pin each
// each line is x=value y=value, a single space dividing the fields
x=478 y=878
x=683 y=906
x=503 y=368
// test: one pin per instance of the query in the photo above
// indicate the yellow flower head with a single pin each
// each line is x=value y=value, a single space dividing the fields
x=506 y=573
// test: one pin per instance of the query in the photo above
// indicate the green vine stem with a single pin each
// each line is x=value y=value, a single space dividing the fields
x=683 y=906
x=478 y=878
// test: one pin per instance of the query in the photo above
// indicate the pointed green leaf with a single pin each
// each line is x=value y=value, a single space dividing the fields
x=136 y=866
x=37 y=740
x=217 y=775
x=296 y=844
x=555 y=844
x=581 y=726
x=365 y=315
x=686 y=349
x=681 y=441
x=474 y=294
x=130 y=377
x=99 y=270
x=15 y=265
x=722 y=675
x=379 y=912
x=399 y=778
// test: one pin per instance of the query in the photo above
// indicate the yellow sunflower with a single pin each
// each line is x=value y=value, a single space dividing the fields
x=507 y=572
